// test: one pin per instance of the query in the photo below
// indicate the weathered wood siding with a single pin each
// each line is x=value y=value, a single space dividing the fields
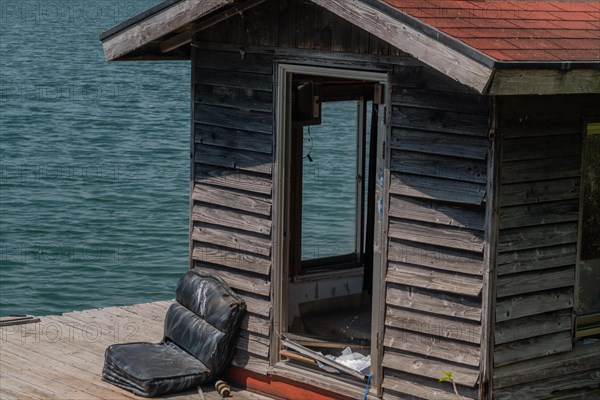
x=231 y=198
x=437 y=161
x=436 y=230
x=539 y=190
x=231 y=208
x=295 y=24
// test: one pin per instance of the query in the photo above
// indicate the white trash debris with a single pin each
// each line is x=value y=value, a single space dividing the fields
x=356 y=361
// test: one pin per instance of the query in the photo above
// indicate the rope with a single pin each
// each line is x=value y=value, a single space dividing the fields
x=367 y=388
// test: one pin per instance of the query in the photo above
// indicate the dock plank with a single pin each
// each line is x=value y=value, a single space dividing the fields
x=61 y=357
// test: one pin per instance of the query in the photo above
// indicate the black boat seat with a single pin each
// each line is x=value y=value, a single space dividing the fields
x=201 y=330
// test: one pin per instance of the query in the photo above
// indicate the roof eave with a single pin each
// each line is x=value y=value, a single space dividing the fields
x=434 y=48
x=125 y=40
x=162 y=32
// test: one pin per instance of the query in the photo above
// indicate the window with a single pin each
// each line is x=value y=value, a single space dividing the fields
x=588 y=306
x=333 y=186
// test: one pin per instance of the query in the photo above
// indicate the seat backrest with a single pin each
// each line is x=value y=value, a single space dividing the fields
x=206 y=319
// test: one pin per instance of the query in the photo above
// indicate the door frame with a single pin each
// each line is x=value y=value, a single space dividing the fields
x=281 y=198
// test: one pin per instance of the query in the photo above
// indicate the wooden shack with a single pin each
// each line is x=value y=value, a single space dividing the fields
x=465 y=204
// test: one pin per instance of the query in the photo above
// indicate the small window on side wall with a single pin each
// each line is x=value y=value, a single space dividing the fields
x=588 y=303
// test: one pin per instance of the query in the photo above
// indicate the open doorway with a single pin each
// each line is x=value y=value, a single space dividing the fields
x=331 y=127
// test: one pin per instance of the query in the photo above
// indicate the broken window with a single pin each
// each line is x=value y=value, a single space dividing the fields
x=332 y=133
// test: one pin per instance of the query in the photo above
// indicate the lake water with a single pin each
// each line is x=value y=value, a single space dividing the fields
x=94 y=165
x=93 y=161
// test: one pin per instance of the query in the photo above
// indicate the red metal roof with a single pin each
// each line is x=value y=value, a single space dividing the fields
x=516 y=30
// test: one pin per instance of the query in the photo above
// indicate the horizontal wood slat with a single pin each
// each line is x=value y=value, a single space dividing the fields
x=533 y=303
x=425 y=324
x=539 y=214
x=430 y=368
x=435 y=257
x=437 y=213
x=539 y=192
x=528 y=282
x=440 y=121
x=251 y=362
x=439 y=100
x=233 y=259
x=253 y=344
x=471 y=147
x=235 y=61
x=438 y=166
x=526 y=349
x=433 y=279
x=423 y=77
x=256 y=324
x=540 y=170
x=537 y=259
x=232 y=239
x=235 y=159
x=241 y=98
x=231 y=218
x=243 y=80
x=421 y=388
x=437 y=189
x=235 y=118
x=527 y=148
x=532 y=237
x=257 y=305
x=432 y=346
x=239 y=279
x=233 y=178
x=231 y=199
x=233 y=138
x=445 y=237
x=533 y=325
x=433 y=302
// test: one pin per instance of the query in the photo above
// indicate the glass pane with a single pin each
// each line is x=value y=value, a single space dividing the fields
x=329 y=185
x=589 y=263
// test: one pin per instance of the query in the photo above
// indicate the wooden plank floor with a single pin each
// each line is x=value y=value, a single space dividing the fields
x=61 y=357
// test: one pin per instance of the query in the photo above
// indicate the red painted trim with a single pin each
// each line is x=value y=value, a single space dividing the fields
x=278 y=386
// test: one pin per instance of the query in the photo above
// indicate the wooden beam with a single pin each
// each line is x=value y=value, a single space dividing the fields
x=158 y=25
x=545 y=81
x=401 y=35
x=226 y=14
x=177 y=41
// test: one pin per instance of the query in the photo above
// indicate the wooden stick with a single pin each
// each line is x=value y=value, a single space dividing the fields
x=297 y=357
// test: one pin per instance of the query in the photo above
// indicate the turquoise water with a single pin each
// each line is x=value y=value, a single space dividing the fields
x=93 y=162
x=94 y=165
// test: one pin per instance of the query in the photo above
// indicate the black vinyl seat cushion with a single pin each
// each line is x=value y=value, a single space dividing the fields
x=201 y=329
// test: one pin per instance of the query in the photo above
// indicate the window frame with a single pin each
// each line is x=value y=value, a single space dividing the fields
x=588 y=324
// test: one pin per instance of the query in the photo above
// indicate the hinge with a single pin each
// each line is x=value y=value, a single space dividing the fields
x=378 y=94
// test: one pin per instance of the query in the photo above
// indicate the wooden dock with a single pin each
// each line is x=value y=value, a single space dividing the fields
x=61 y=357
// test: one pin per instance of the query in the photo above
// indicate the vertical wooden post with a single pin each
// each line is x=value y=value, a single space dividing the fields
x=490 y=240
x=192 y=156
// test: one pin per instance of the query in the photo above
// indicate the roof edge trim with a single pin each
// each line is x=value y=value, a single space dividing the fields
x=166 y=18
x=136 y=18
x=557 y=65
x=431 y=51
